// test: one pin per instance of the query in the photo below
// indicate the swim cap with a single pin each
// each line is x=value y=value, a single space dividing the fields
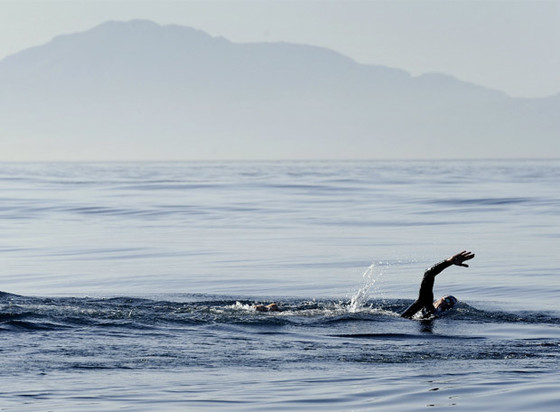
x=450 y=299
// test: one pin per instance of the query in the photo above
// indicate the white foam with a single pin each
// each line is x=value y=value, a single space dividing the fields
x=359 y=298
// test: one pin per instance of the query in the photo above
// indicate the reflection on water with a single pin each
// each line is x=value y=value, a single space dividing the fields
x=136 y=282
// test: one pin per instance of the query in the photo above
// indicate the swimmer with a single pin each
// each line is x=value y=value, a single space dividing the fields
x=425 y=301
x=273 y=307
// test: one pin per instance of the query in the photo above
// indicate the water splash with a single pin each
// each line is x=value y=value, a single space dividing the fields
x=360 y=297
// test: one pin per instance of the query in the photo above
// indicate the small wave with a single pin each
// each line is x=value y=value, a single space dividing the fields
x=498 y=201
x=404 y=336
x=19 y=313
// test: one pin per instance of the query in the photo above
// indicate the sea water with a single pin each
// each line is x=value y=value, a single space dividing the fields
x=131 y=286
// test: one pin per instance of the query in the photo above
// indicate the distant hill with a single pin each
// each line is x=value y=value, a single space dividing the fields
x=138 y=90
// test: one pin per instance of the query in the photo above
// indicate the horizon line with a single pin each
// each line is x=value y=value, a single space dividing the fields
x=288 y=160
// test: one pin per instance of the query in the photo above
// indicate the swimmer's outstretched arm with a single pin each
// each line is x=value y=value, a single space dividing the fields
x=457 y=260
x=426 y=294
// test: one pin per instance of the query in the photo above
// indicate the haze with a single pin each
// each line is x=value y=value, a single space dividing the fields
x=278 y=80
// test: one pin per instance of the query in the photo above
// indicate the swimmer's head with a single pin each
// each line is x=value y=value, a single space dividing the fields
x=445 y=302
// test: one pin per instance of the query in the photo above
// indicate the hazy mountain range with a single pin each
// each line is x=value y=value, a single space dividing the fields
x=138 y=90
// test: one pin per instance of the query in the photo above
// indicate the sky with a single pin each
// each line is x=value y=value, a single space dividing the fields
x=512 y=46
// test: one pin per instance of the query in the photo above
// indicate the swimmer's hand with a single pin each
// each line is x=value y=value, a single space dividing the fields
x=459 y=258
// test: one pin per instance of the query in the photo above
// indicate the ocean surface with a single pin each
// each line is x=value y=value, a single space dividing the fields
x=130 y=286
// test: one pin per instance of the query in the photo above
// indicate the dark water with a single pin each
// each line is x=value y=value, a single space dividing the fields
x=130 y=286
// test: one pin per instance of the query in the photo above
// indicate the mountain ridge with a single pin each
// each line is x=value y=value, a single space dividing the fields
x=168 y=91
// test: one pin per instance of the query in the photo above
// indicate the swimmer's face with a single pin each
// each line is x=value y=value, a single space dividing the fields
x=445 y=302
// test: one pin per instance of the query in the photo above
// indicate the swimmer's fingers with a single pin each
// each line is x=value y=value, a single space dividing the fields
x=459 y=258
